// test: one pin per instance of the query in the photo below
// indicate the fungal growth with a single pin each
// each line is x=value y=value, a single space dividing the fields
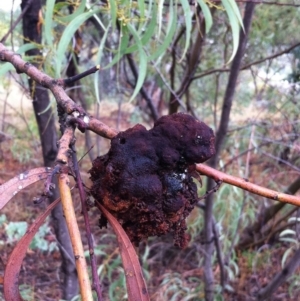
x=145 y=180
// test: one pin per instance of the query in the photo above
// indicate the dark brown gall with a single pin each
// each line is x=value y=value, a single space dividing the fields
x=145 y=180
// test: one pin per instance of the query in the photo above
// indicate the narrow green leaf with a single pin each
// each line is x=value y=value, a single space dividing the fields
x=142 y=62
x=98 y=61
x=80 y=9
x=124 y=40
x=48 y=22
x=113 y=12
x=160 y=15
x=26 y=47
x=170 y=33
x=150 y=28
x=235 y=27
x=67 y=36
x=207 y=15
x=237 y=12
x=188 y=25
x=141 y=6
x=6 y=67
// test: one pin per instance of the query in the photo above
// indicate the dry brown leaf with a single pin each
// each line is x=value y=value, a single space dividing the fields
x=135 y=282
x=11 y=275
x=10 y=188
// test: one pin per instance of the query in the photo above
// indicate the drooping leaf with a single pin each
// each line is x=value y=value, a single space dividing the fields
x=79 y=10
x=206 y=14
x=285 y=256
x=124 y=40
x=235 y=27
x=98 y=60
x=237 y=12
x=188 y=25
x=10 y=188
x=142 y=70
x=67 y=36
x=48 y=22
x=141 y=6
x=171 y=29
x=160 y=16
x=150 y=29
x=13 y=267
x=113 y=12
x=135 y=282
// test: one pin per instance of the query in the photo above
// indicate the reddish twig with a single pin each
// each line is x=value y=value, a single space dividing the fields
x=246 y=185
x=57 y=88
x=13 y=26
x=96 y=284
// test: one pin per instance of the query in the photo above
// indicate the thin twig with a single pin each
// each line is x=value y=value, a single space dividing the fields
x=56 y=87
x=270 y=57
x=219 y=254
x=13 y=25
x=75 y=78
x=248 y=186
x=66 y=199
x=96 y=284
x=81 y=266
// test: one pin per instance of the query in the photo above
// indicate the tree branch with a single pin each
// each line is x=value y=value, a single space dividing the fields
x=56 y=87
x=248 y=186
x=247 y=66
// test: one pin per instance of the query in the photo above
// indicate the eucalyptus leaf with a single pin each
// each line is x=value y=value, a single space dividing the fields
x=113 y=12
x=150 y=29
x=80 y=9
x=142 y=70
x=98 y=60
x=124 y=40
x=67 y=36
x=207 y=15
x=48 y=22
x=170 y=33
x=188 y=25
x=235 y=27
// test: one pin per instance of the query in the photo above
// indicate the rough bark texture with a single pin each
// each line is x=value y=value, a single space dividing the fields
x=47 y=131
x=220 y=136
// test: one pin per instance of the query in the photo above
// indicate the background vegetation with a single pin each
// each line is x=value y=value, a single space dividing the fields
x=157 y=58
